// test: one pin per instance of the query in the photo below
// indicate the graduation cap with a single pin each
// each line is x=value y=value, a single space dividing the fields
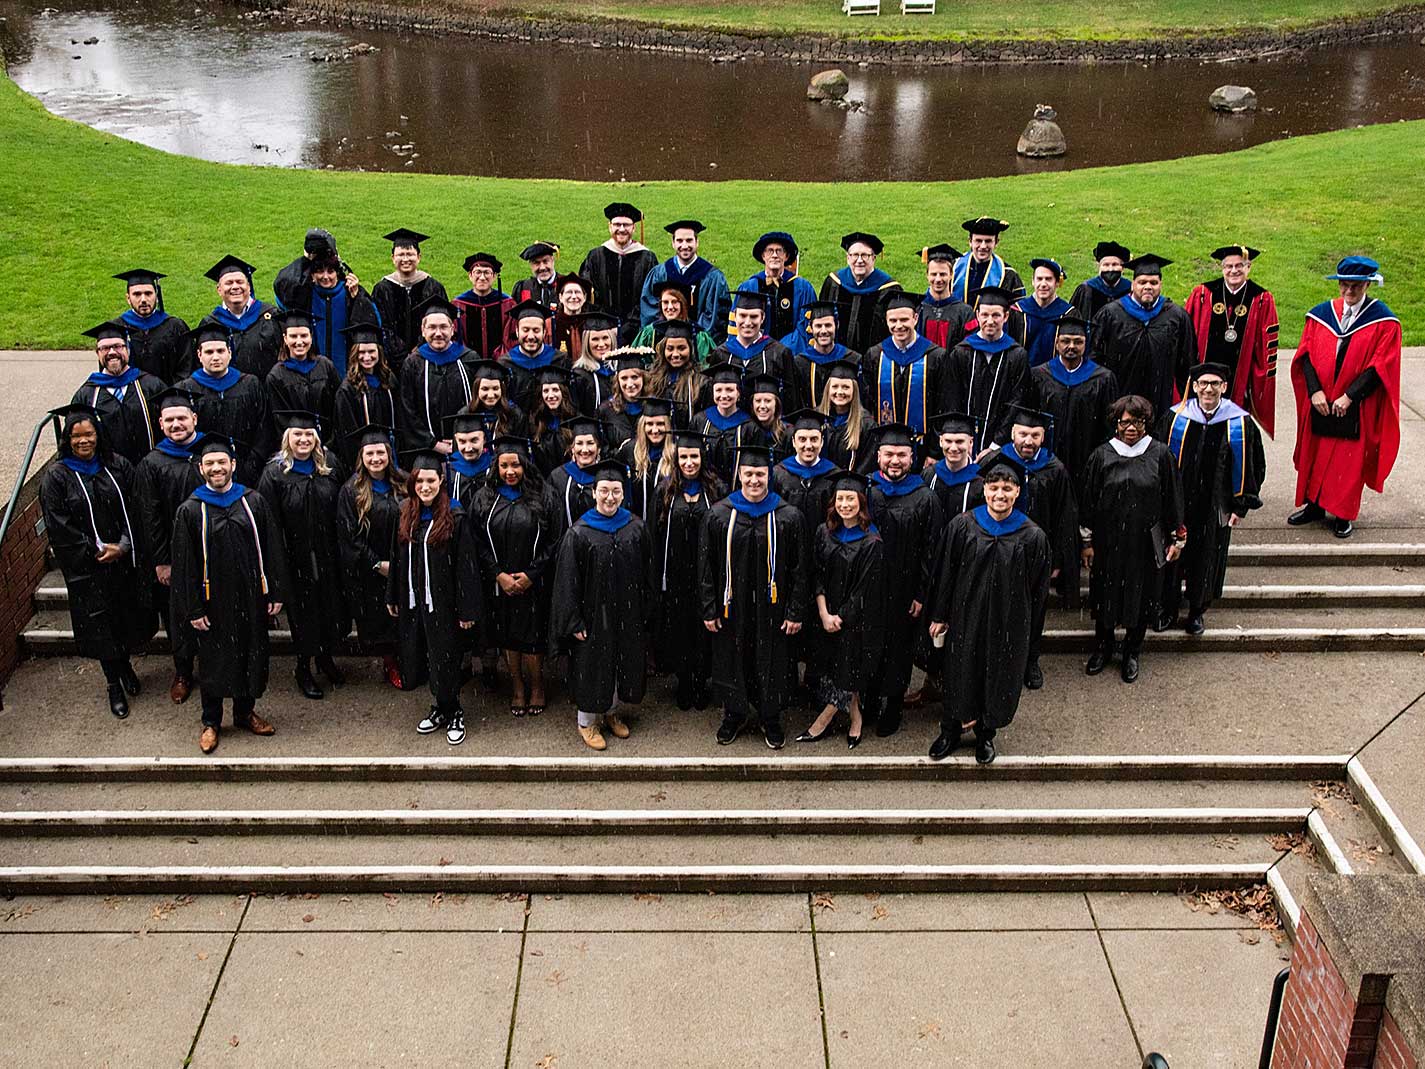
x=1356 y=269
x=110 y=328
x=1244 y=251
x=941 y=253
x=724 y=372
x=750 y=300
x=174 y=397
x=361 y=334
x=676 y=285
x=901 y=299
x=860 y=237
x=371 y=434
x=1208 y=367
x=849 y=480
x=1000 y=468
x=218 y=443
x=140 y=276
x=763 y=383
x=622 y=210
x=754 y=456
x=582 y=423
x=1052 y=265
x=1148 y=263
x=627 y=359
x=553 y=375
x=467 y=422
x=815 y=310
x=608 y=469
x=954 y=423
x=489 y=259
x=597 y=319
x=436 y=305
x=1111 y=248
x=675 y=328
x=320 y=243
x=511 y=443
x=528 y=309
x=685 y=224
x=402 y=236
x=993 y=295
x=984 y=225
x=560 y=281
x=690 y=439
x=66 y=416
x=227 y=265
x=296 y=419
x=488 y=369
x=775 y=237
x=806 y=419
x=297 y=317
x=842 y=369
x=530 y=253
x=1030 y=417
x=655 y=407
x=1071 y=324
x=209 y=331
x=423 y=460
x=893 y=434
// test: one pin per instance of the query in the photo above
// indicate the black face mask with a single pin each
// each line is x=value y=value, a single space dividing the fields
x=1110 y=278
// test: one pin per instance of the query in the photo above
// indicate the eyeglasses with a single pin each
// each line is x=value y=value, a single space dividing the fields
x=1131 y=422
x=117 y=347
x=1211 y=384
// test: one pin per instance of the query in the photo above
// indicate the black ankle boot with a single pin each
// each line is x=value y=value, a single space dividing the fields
x=684 y=698
x=306 y=682
x=129 y=680
x=118 y=704
x=889 y=722
x=329 y=669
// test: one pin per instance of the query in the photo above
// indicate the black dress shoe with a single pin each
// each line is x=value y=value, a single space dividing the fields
x=1130 y=667
x=889 y=722
x=807 y=736
x=1164 y=621
x=1342 y=528
x=700 y=696
x=1194 y=625
x=944 y=745
x=775 y=736
x=1308 y=513
x=728 y=730
x=984 y=751
x=852 y=741
x=684 y=697
x=307 y=683
x=129 y=679
x=118 y=704
x=329 y=669
x=1034 y=675
x=1097 y=661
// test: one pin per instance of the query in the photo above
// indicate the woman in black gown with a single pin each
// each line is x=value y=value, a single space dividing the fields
x=509 y=534
x=368 y=511
x=643 y=453
x=367 y=396
x=489 y=398
x=848 y=438
x=90 y=517
x=547 y=427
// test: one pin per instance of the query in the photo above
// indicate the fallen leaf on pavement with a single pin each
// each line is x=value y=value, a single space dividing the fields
x=823 y=902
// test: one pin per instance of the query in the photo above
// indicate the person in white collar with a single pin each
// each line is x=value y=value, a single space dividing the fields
x=1131 y=517
x=619 y=267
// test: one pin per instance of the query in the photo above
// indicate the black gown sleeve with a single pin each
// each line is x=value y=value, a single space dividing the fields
x=1313 y=380
x=1363 y=385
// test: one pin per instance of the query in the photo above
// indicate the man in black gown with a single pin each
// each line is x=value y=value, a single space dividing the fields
x=859 y=290
x=399 y=294
x=1076 y=392
x=158 y=342
x=540 y=285
x=122 y=394
x=618 y=267
x=987 y=373
x=253 y=335
x=231 y=403
x=229 y=579
x=1108 y=285
x=1144 y=338
x=902 y=377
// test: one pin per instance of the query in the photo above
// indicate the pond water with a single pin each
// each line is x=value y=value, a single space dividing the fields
x=208 y=82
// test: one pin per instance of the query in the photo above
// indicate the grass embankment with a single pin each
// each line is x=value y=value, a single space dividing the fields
x=953 y=20
x=81 y=205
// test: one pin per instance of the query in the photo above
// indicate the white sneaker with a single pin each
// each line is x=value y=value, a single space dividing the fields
x=432 y=722
x=455 y=733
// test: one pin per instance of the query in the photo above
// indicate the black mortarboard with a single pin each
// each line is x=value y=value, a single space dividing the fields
x=842 y=369
x=511 y=443
x=1071 y=324
x=554 y=374
x=902 y=299
x=582 y=423
x=763 y=383
x=466 y=423
x=1044 y=261
x=560 y=281
x=750 y=300
x=724 y=372
x=362 y=334
x=689 y=439
x=1149 y=263
x=1222 y=371
x=1111 y=248
x=597 y=319
x=530 y=253
x=675 y=328
x=217 y=443
x=423 y=460
x=110 y=328
x=436 y=304
x=1000 y=468
x=68 y=414
x=875 y=244
x=608 y=468
x=775 y=237
x=174 y=397
x=487 y=258
x=297 y=419
x=685 y=224
x=656 y=406
x=1029 y=417
x=320 y=243
x=992 y=295
x=754 y=456
x=626 y=360
x=622 y=210
x=849 y=480
x=371 y=434
x=984 y=225
x=228 y=264
x=1244 y=251
x=402 y=236
x=139 y=276
x=941 y=253
x=675 y=284
x=211 y=331
x=488 y=369
x=893 y=434
x=530 y=309
x=819 y=310
x=806 y=419
x=296 y=317
x=953 y=423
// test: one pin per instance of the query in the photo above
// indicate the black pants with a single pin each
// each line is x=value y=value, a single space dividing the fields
x=1132 y=641
x=182 y=658
x=213 y=709
x=113 y=669
x=952 y=724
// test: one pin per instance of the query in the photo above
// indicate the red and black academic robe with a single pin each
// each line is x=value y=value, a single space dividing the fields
x=903 y=385
x=618 y=282
x=1079 y=401
x=158 y=344
x=945 y=322
x=1253 y=355
x=861 y=306
x=399 y=308
x=532 y=289
x=1364 y=363
x=1151 y=350
x=482 y=323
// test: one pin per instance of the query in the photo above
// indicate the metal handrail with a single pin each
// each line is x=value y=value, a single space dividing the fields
x=1155 y=1061
x=22 y=475
x=1274 y=1012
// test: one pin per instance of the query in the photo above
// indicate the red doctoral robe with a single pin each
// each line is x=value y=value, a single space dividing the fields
x=1254 y=379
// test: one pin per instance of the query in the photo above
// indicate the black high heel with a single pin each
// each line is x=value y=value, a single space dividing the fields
x=807 y=736
x=852 y=741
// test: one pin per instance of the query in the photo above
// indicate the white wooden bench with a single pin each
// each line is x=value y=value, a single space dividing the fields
x=917 y=7
x=861 y=7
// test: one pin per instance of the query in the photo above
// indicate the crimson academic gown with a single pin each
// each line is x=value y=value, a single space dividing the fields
x=1252 y=356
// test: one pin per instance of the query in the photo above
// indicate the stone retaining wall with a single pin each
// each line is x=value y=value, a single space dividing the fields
x=428 y=17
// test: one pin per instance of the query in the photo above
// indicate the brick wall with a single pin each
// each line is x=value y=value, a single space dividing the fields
x=22 y=565
x=1392 y=1051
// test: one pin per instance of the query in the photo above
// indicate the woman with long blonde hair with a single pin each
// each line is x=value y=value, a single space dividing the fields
x=643 y=453
x=848 y=423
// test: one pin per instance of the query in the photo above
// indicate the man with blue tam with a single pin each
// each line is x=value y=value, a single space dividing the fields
x=787 y=293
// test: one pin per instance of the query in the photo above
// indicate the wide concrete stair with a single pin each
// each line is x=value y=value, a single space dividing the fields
x=1285 y=596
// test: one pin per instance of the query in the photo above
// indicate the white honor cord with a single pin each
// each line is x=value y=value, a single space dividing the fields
x=257 y=542
x=490 y=537
x=425 y=552
x=93 y=523
x=122 y=507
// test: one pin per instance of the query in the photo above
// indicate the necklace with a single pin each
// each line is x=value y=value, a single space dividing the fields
x=1230 y=314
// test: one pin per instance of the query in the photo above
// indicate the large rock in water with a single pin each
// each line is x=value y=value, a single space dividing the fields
x=1233 y=98
x=1042 y=137
x=829 y=85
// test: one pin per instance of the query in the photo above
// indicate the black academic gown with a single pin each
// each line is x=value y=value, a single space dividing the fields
x=641 y=491
x=429 y=393
x=618 y=283
x=551 y=449
x=810 y=494
x=430 y=642
x=397 y=305
x=593 y=388
x=109 y=604
x=1088 y=300
x=754 y=666
x=1150 y=359
x=568 y=494
x=512 y=536
x=851 y=577
x=238 y=412
x=773 y=359
x=911 y=526
x=162 y=482
x=362 y=548
x=353 y=407
x=682 y=644
x=899 y=403
x=130 y=425
x=811 y=376
x=838 y=447
x=1133 y=505
x=861 y=316
x=1047 y=498
x=293 y=390
x=255 y=350
x=305 y=508
x=162 y=351
x=985 y=385
x=992 y=586
x=603 y=587
x=1079 y=404
x=222 y=575
x=618 y=423
x=1212 y=490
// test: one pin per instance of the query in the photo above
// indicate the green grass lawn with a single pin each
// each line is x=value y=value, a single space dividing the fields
x=953 y=20
x=81 y=205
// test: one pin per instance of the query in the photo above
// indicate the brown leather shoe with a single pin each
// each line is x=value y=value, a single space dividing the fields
x=593 y=737
x=259 y=726
x=617 y=727
x=179 y=690
x=208 y=741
